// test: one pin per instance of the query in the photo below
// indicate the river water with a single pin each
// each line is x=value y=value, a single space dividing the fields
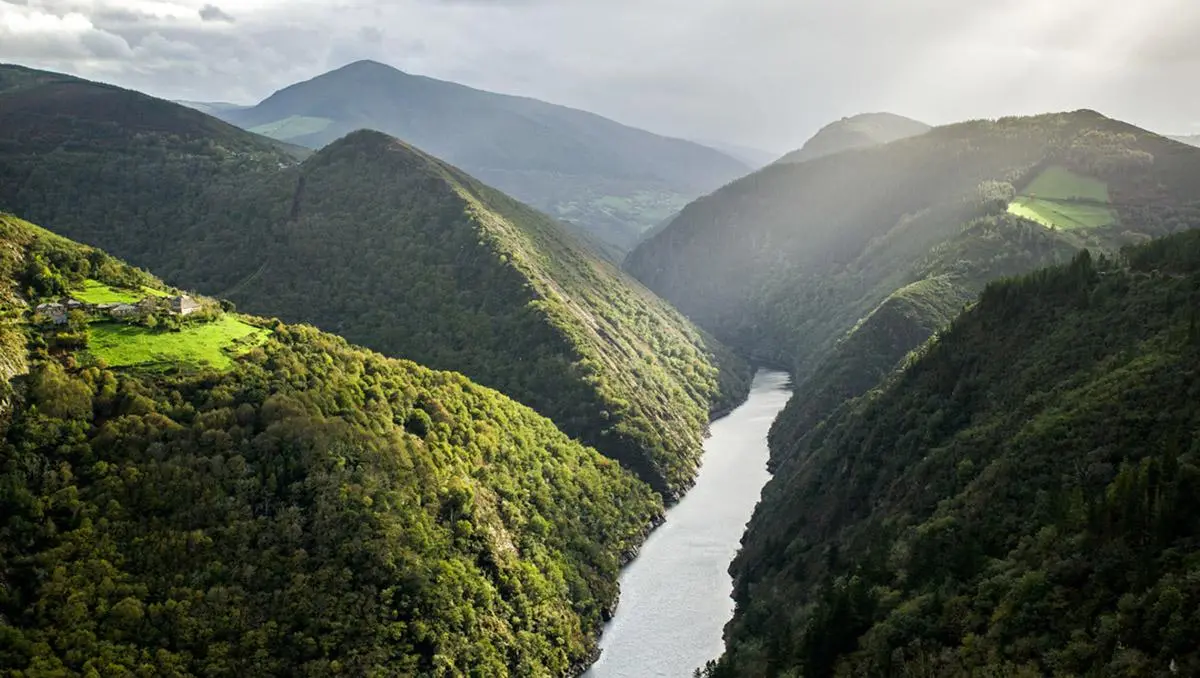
x=675 y=597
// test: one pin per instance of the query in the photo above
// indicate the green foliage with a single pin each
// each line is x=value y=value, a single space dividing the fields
x=196 y=343
x=1060 y=198
x=814 y=265
x=1059 y=183
x=1021 y=499
x=315 y=509
x=384 y=245
x=96 y=292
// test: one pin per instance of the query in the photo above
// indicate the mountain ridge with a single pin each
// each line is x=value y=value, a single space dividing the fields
x=858 y=131
x=610 y=179
x=487 y=286
x=1015 y=501
x=304 y=508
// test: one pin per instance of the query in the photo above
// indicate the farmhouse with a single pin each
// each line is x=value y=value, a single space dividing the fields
x=56 y=312
x=184 y=305
x=124 y=310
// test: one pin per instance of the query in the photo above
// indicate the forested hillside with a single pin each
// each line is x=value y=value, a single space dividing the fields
x=1022 y=500
x=840 y=265
x=380 y=243
x=612 y=181
x=859 y=131
x=296 y=506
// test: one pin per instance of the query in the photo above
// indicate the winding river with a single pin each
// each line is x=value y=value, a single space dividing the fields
x=675 y=597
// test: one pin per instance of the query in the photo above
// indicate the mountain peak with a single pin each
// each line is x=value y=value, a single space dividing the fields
x=367 y=67
x=857 y=131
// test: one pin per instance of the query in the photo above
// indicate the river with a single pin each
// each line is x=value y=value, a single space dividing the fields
x=675 y=597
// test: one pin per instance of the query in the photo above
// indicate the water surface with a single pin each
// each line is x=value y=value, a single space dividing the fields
x=675 y=598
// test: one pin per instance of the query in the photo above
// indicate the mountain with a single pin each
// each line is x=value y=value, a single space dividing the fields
x=382 y=244
x=1191 y=139
x=612 y=181
x=220 y=494
x=1021 y=500
x=839 y=266
x=860 y=131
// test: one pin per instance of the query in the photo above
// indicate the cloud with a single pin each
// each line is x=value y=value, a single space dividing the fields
x=214 y=13
x=765 y=73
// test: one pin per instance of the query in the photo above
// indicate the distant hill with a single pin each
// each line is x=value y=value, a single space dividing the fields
x=1020 y=500
x=611 y=180
x=221 y=494
x=381 y=243
x=211 y=107
x=754 y=158
x=1191 y=139
x=839 y=266
x=859 y=131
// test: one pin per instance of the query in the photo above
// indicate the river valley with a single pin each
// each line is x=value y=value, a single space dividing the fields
x=675 y=597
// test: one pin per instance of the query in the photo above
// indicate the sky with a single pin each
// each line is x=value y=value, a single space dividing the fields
x=758 y=73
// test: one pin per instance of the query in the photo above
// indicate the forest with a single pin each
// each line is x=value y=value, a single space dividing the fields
x=314 y=509
x=379 y=243
x=1021 y=499
x=838 y=267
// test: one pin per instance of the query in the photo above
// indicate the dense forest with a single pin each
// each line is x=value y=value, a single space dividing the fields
x=839 y=266
x=312 y=509
x=1023 y=499
x=380 y=243
x=611 y=181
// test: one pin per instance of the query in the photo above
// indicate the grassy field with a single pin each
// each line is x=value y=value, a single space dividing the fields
x=292 y=127
x=1063 y=214
x=96 y=292
x=1060 y=198
x=1060 y=183
x=212 y=344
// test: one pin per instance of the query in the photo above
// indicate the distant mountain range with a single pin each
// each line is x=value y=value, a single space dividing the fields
x=612 y=181
x=859 y=131
x=1189 y=139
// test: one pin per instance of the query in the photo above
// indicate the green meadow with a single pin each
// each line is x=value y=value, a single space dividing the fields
x=212 y=344
x=1059 y=198
x=96 y=292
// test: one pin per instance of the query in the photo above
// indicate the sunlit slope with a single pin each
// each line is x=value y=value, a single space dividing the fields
x=300 y=507
x=384 y=245
x=799 y=264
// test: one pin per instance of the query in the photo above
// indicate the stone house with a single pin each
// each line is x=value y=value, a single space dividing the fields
x=184 y=305
x=54 y=311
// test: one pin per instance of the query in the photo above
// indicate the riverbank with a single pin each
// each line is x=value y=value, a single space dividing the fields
x=675 y=596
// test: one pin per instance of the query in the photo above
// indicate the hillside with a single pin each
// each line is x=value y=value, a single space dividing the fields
x=304 y=507
x=837 y=267
x=1021 y=500
x=859 y=131
x=384 y=245
x=612 y=181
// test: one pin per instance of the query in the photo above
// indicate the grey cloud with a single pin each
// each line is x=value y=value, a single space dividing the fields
x=765 y=73
x=214 y=13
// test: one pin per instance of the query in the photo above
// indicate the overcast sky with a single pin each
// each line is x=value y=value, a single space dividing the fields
x=764 y=73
